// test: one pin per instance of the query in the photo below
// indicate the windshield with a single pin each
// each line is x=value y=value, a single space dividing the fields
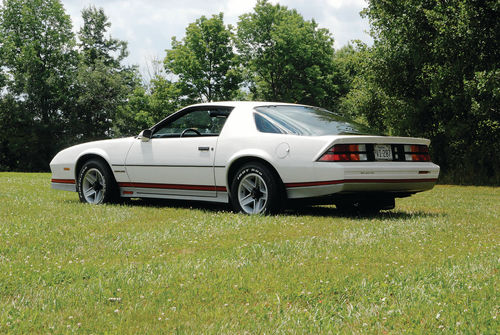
x=306 y=121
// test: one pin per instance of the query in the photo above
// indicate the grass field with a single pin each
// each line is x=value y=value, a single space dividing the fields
x=429 y=266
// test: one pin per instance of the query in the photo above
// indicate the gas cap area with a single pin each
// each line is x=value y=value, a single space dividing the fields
x=282 y=150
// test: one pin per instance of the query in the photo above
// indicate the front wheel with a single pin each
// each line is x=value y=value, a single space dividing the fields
x=254 y=190
x=95 y=183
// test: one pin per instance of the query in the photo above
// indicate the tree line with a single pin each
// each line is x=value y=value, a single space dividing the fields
x=432 y=71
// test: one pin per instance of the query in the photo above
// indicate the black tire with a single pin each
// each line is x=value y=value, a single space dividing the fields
x=104 y=188
x=264 y=179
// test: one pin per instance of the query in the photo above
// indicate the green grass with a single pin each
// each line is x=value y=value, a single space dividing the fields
x=431 y=265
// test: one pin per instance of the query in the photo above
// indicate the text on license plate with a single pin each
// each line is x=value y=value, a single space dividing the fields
x=382 y=152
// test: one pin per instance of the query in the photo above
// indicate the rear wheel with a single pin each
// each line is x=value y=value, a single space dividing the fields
x=96 y=184
x=254 y=190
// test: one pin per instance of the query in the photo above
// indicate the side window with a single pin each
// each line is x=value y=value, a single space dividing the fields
x=206 y=122
x=265 y=126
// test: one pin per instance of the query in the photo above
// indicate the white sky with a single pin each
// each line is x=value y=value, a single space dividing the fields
x=148 y=25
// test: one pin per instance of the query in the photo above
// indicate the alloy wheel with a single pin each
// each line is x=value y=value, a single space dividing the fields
x=252 y=194
x=93 y=186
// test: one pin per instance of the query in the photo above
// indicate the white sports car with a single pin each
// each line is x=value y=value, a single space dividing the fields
x=255 y=155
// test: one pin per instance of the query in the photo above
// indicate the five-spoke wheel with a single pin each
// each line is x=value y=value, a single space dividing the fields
x=93 y=186
x=254 y=190
x=96 y=184
x=252 y=194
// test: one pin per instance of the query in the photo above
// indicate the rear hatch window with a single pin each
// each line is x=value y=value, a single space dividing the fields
x=306 y=121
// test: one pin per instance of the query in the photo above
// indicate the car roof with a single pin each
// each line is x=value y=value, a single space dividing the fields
x=248 y=104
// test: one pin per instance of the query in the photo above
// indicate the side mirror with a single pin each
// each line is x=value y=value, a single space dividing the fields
x=145 y=135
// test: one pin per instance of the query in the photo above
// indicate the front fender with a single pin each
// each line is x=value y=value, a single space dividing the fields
x=95 y=152
x=65 y=164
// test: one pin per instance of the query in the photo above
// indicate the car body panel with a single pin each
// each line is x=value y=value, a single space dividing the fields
x=175 y=162
x=197 y=167
x=114 y=152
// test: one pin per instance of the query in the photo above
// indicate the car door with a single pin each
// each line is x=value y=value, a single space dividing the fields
x=179 y=158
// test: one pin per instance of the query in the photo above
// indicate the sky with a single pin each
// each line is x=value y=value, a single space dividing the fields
x=149 y=25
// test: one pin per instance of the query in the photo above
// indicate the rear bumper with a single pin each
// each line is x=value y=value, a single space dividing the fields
x=385 y=177
x=307 y=190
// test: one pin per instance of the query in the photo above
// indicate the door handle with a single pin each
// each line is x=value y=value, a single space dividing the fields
x=204 y=148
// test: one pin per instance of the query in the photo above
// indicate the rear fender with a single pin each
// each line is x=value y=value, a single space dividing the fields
x=249 y=153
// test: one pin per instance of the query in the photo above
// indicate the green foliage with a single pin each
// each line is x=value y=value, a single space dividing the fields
x=102 y=84
x=38 y=61
x=99 y=91
x=16 y=135
x=135 y=115
x=364 y=100
x=94 y=45
x=166 y=98
x=56 y=92
x=144 y=109
x=439 y=62
x=432 y=72
x=204 y=60
x=429 y=266
x=205 y=69
x=288 y=58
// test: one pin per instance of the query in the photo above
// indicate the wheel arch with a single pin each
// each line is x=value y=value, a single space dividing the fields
x=240 y=161
x=85 y=157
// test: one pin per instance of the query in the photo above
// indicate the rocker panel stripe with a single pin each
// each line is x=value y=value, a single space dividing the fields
x=175 y=186
x=63 y=181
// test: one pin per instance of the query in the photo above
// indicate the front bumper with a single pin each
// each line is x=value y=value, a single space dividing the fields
x=63 y=184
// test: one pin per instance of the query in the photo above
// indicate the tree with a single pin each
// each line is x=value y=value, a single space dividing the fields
x=288 y=58
x=439 y=62
x=146 y=108
x=16 y=137
x=363 y=100
x=102 y=82
x=204 y=61
x=94 y=45
x=38 y=61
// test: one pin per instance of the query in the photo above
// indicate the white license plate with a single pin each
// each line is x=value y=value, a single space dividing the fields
x=382 y=152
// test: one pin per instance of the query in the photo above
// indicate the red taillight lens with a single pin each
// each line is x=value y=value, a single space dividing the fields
x=420 y=148
x=345 y=153
x=345 y=148
x=417 y=153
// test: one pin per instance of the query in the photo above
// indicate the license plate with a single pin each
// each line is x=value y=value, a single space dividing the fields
x=383 y=152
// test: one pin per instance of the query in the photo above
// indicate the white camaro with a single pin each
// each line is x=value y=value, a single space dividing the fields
x=257 y=155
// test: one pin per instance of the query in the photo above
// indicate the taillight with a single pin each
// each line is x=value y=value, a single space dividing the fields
x=345 y=153
x=417 y=153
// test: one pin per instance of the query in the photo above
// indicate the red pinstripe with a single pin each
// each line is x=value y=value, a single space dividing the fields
x=175 y=186
x=63 y=181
